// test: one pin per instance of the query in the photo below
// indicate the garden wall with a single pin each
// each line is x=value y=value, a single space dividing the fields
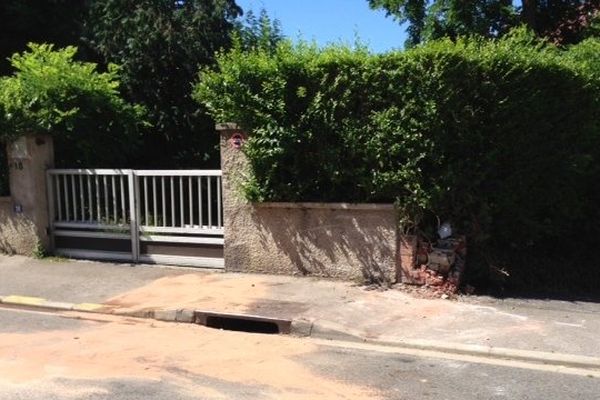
x=17 y=232
x=336 y=240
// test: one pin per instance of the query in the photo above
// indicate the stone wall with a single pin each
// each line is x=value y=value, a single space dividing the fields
x=337 y=240
x=17 y=232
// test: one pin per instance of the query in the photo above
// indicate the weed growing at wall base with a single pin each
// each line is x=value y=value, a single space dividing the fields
x=39 y=252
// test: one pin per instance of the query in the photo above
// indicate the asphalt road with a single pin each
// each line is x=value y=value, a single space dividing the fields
x=83 y=356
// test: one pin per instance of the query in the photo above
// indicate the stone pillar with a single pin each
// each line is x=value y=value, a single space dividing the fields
x=28 y=159
x=237 y=211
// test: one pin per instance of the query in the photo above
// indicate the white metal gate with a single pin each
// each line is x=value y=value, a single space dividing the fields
x=153 y=216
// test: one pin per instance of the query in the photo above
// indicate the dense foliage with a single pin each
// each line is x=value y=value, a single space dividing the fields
x=499 y=137
x=38 y=21
x=51 y=93
x=160 y=44
x=563 y=21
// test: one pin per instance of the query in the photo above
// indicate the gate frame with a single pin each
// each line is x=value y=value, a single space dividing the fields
x=135 y=227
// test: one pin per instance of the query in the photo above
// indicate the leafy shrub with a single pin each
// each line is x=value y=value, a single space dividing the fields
x=52 y=93
x=500 y=137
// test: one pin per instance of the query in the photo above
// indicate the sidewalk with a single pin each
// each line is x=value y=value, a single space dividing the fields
x=336 y=310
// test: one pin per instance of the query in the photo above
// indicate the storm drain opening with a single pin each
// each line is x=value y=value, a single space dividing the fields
x=243 y=323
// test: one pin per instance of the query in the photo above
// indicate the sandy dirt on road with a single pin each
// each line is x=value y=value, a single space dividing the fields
x=117 y=348
x=242 y=293
x=193 y=290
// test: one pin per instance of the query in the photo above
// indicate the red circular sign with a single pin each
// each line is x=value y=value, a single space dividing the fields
x=237 y=140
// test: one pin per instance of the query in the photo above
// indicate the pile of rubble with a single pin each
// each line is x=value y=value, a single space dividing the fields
x=436 y=266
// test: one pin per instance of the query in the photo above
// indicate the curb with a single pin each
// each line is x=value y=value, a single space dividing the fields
x=308 y=328
x=327 y=332
x=567 y=360
x=35 y=302
x=167 y=315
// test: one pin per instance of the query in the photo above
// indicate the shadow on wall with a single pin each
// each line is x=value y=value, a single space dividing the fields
x=4 y=187
x=336 y=243
x=17 y=233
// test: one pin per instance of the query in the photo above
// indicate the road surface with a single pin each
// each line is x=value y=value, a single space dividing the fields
x=45 y=356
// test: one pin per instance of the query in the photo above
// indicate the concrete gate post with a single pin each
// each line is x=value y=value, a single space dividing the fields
x=237 y=211
x=28 y=159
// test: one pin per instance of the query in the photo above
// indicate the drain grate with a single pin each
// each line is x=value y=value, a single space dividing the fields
x=243 y=323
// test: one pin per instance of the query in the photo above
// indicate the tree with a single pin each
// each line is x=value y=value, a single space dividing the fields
x=259 y=32
x=579 y=24
x=52 y=93
x=41 y=21
x=449 y=18
x=433 y=19
x=160 y=45
x=564 y=21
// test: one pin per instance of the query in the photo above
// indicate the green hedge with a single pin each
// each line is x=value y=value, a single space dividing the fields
x=499 y=137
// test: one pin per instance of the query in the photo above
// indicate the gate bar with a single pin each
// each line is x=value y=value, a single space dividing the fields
x=134 y=212
x=51 y=210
